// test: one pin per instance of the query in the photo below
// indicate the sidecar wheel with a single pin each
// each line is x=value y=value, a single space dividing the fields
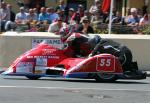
x=33 y=77
x=104 y=77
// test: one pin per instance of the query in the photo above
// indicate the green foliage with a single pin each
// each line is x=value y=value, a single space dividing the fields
x=146 y=30
x=116 y=29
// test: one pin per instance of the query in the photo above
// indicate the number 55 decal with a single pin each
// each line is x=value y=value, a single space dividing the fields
x=105 y=64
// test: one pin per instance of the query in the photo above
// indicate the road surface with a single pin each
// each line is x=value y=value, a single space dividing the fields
x=58 y=90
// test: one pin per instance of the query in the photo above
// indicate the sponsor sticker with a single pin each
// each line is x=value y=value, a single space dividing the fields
x=40 y=70
x=24 y=67
x=52 y=41
x=41 y=61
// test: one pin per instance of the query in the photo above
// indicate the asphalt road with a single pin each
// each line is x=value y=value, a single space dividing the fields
x=57 y=90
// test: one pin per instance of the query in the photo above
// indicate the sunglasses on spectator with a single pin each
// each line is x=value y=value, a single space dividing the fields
x=59 y=20
x=85 y=21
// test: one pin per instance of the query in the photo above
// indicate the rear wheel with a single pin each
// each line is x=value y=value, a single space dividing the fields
x=105 y=77
x=33 y=77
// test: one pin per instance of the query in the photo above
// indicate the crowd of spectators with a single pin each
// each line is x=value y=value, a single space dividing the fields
x=51 y=19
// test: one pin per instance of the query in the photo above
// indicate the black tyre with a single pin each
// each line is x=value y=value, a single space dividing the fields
x=33 y=77
x=105 y=77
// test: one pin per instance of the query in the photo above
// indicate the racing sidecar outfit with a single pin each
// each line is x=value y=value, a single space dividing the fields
x=121 y=51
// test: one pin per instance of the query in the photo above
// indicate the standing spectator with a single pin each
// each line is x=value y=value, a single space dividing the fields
x=5 y=12
x=69 y=19
x=62 y=6
x=4 y=15
x=26 y=4
x=79 y=14
x=12 y=13
x=21 y=17
x=85 y=27
x=10 y=24
x=56 y=26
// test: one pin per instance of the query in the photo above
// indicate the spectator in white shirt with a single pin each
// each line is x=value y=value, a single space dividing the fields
x=145 y=20
x=56 y=26
x=21 y=17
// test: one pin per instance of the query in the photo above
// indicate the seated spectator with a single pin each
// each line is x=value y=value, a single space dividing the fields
x=96 y=17
x=32 y=16
x=56 y=26
x=21 y=17
x=117 y=18
x=95 y=7
x=145 y=20
x=85 y=27
x=53 y=16
x=61 y=14
x=133 y=19
x=43 y=17
x=88 y=14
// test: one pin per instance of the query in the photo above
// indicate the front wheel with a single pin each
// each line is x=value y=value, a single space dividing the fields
x=105 y=77
x=33 y=77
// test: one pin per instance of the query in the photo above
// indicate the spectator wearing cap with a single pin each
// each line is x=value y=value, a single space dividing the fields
x=56 y=26
x=69 y=19
x=85 y=27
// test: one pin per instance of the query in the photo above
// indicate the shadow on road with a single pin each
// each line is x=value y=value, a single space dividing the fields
x=79 y=80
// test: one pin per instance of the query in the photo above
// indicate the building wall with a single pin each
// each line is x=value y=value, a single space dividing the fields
x=137 y=4
x=54 y=3
x=131 y=3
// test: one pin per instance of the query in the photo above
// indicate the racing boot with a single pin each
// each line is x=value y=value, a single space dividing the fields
x=136 y=74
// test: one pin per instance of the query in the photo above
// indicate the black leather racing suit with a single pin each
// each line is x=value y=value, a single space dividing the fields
x=111 y=47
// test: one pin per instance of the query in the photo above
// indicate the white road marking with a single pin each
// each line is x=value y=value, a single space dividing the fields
x=70 y=88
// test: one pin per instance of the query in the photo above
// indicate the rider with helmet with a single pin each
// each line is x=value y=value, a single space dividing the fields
x=84 y=46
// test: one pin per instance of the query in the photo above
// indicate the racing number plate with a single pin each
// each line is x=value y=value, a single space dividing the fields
x=105 y=64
